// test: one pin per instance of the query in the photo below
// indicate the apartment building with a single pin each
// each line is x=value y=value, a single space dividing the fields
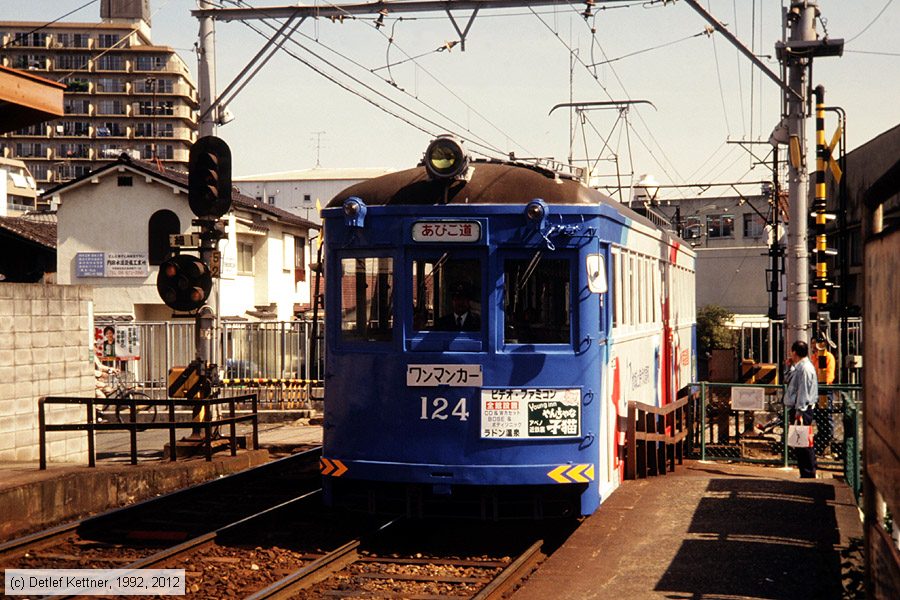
x=124 y=94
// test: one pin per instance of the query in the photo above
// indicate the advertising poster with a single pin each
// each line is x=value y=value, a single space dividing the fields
x=117 y=342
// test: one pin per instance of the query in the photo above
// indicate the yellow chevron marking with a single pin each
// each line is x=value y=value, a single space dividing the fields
x=325 y=466
x=557 y=474
x=572 y=473
x=341 y=468
x=575 y=473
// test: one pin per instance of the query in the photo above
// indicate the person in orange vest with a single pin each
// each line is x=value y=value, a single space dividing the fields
x=824 y=361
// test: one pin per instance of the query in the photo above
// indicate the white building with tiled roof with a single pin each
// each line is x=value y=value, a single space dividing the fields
x=298 y=191
x=113 y=232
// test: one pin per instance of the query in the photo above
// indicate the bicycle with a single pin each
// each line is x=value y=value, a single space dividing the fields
x=118 y=387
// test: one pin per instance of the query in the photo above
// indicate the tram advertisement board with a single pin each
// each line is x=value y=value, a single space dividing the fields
x=528 y=413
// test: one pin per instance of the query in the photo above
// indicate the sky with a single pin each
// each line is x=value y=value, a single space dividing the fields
x=517 y=65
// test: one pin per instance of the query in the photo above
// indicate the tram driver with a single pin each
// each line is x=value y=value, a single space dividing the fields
x=461 y=318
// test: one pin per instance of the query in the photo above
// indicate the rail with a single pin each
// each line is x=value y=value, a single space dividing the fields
x=655 y=438
x=207 y=425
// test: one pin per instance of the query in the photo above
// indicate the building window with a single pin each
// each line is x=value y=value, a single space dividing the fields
x=245 y=258
x=108 y=40
x=163 y=223
x=72 y=40
x=271 y=199
x=111 y=130
x=111 y=107
x=30 y=40
x=693 y=228
x=31 y=62
x=128 y=181
x=307 y=198
x=73 y=84
x=299 y=259
x=72 y=62
x=754 y=225
x=150 y=63
x=30 y=150
x=720 y=226
x=76 y=107
x=111 y=62
x=110 y=85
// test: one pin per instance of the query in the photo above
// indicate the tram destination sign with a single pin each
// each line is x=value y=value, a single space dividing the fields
x=446 y=231
x=530 y=413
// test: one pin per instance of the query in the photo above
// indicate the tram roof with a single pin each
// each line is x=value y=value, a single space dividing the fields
x=489 y=183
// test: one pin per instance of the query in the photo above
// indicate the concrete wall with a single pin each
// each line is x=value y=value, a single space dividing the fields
x=45 y=350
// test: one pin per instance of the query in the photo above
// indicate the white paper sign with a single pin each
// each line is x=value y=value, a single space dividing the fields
x=748 y=398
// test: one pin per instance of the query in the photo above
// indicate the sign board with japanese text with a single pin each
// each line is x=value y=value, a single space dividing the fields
x=111 y=264
x=748 y=398
x=124 y=264
x=451 y=375
x=89 y=264
x=117 y=342
x=530 y=413
x=446 y=231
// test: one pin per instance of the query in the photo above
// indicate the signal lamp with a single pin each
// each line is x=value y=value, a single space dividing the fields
x=184 y=282
x=445 y=158
x=209 y=177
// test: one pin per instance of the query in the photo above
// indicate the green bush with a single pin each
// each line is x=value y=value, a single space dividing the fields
x=712 y=333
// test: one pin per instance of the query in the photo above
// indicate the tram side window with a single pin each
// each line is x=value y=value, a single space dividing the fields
x=537 y=301
x=367 y=288
x=446 y=294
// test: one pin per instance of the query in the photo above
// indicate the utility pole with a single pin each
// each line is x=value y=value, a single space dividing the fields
x=206 y=69
x=796 y=55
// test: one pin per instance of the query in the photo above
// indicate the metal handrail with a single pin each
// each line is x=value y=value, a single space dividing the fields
x=91 y=427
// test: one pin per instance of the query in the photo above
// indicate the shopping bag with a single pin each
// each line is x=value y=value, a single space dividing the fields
x=800 y=436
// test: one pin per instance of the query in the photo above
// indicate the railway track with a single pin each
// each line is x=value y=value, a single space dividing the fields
x=295 y=547
x=121 y=536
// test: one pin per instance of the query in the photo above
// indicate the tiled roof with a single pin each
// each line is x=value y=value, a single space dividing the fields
x=180 y=179
x=39 y=232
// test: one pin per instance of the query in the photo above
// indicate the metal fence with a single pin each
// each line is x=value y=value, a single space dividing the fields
x=719 y=432
x=763 y=341
x=273 y=350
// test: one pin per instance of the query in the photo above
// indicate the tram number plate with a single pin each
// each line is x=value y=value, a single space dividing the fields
x=530 y=413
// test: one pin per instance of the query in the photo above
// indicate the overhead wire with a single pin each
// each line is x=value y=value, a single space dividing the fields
x=473 y=139
x=444 y=86
x=872 y=22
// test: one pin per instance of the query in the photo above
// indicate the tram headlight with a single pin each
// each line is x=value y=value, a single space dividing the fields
x=354 y=212
x=536 y=213
x=446 y=158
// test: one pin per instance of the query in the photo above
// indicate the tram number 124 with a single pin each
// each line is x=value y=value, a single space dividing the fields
x=438 y=409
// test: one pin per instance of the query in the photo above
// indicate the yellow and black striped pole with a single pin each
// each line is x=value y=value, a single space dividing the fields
x=821 y=215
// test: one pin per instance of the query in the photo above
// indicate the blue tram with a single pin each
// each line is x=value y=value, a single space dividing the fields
x=486 y=324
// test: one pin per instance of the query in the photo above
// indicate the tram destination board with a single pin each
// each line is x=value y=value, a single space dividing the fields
x=529 y=413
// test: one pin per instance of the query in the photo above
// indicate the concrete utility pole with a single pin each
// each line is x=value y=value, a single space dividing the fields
x=797 y=54
x=801 y=20
x=206 y=69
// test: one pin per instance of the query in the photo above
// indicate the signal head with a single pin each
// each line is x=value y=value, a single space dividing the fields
x=209 y=177
x=184 y=282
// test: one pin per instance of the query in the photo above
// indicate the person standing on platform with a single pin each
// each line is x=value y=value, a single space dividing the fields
x=800 y=398
x=825 y=368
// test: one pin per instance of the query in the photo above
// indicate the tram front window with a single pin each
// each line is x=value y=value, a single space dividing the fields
x=537 y=301
x=446 y=294
x=367 y=287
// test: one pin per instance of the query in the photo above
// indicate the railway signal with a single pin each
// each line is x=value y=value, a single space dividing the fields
x=209 y=177
x=184 y=282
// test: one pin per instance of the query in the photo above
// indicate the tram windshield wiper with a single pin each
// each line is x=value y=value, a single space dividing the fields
x=529 y=271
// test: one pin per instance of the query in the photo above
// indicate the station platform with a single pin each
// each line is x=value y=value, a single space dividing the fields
x=32 y=499
x=708 y=530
